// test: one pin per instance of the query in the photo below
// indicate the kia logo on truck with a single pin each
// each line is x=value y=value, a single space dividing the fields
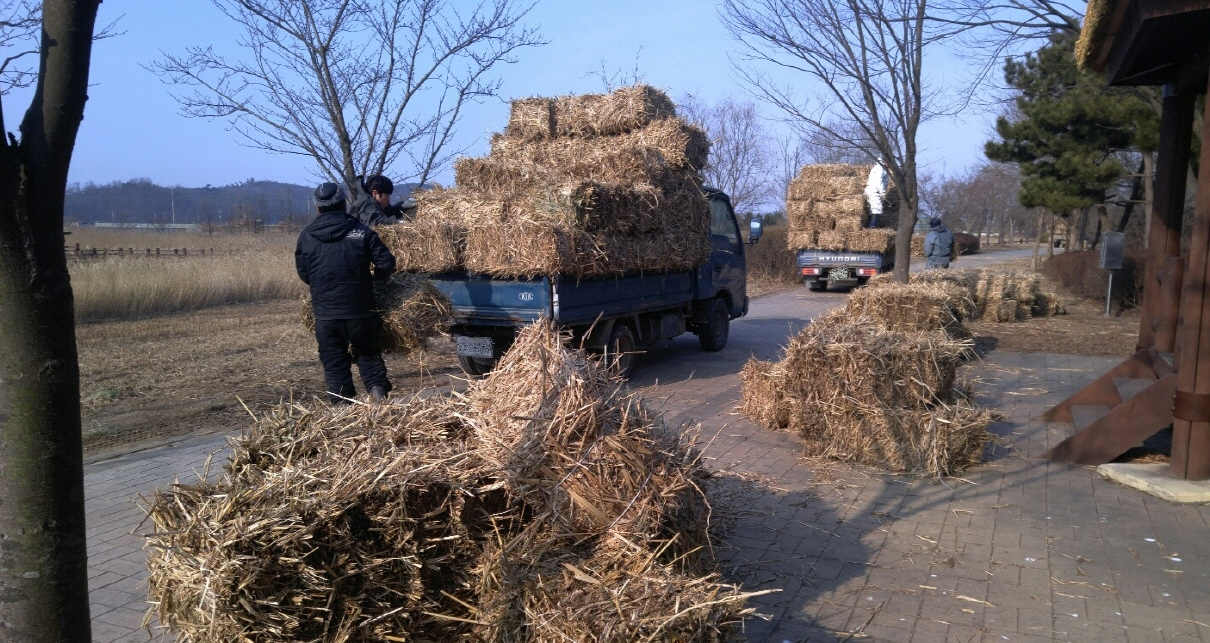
x=526 y=296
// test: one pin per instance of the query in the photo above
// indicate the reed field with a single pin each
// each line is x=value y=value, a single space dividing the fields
x=244 y=268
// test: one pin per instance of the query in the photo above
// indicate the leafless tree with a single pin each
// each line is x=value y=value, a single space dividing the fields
x=742 y=161
x=981 y=202
x=360 y=86
x=43 y=544
x=867 y=59
x=20 y=42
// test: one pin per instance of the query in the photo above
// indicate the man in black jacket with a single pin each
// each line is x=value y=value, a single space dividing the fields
x=374 y=207
x=333 y=257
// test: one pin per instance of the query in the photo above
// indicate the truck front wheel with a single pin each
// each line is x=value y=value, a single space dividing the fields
x=713 y=336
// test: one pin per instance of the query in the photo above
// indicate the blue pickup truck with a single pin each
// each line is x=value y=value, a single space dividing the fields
x=614 y=315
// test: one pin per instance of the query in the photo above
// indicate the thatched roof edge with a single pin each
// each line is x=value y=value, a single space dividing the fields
x=1100 y=25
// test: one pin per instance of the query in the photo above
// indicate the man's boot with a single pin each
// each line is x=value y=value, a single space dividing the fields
x=378 y=393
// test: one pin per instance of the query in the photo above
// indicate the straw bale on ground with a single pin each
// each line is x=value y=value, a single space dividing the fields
x=856 y=390
x=1001 y=295
x=916 y=306
x=529 y=509
x=412 y=310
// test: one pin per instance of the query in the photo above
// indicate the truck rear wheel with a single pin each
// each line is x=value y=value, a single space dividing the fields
x=619 y=352
x=818 y=285
x=472 y=367
x=713 y=336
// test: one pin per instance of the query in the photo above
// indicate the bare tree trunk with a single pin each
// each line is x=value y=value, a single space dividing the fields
x=1050 y=247
x=43 y=547
x=1148 y=192
x=903 y=242
x=1038 y=240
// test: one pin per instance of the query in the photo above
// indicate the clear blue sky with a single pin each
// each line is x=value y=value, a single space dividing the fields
x=133 y=127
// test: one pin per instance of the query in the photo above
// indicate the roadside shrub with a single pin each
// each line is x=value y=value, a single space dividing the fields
x=967 y=244
x=1081 y=274
x=771 y=259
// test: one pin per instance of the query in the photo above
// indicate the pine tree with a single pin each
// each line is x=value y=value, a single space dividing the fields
x=1067 y=126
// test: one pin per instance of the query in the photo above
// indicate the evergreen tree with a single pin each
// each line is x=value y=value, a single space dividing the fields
x=1066 y=128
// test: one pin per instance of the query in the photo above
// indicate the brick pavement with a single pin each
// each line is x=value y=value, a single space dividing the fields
x=1015 y=550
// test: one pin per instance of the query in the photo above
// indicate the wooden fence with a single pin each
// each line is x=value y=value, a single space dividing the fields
x=76 y=252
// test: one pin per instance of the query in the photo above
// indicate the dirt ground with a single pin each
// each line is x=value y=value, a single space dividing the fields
x=151 y=379
x=1083 y=330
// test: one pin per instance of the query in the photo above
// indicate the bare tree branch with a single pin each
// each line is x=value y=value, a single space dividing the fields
x=866 y=59
x=360 y=87
x=742 y=161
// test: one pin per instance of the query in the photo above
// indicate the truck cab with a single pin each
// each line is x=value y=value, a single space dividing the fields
x=615 y=314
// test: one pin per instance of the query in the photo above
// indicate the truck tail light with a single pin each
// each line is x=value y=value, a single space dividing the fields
x=866 y=272
x=812 y=271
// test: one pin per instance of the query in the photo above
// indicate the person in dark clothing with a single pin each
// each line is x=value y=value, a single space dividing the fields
x=938 y=245
x=333 y=256
x=374 y=207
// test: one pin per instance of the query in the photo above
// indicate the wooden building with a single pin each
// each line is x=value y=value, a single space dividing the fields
x=1162 y=43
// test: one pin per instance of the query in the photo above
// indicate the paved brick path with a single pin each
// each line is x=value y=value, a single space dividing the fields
x=1016 y=550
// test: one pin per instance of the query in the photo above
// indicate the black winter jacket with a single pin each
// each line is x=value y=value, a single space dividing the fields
x=367 y=211
x=333 y=256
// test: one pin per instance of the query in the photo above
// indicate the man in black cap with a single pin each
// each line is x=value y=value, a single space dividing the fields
x=374 y=207
x=938 y=245
x=333 y=257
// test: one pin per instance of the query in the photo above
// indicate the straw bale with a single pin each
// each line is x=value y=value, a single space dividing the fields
x=847 y=224
x=532 y=118
x=803 y=238
x=320 y=530
x=412 y=311
x=624 y=208
x=915 y=306
x=517 y=167
x=833 y=240
x=821 y=182
x=527 y=248
x=872 y=240
x=1001 y=295
x=797 y=210
x=846 y=207
x=527 y=509
x=681 y=146
x=425 y=245
x=623 y=110
x=917 y=245
x=762 y=399
x=858 y=391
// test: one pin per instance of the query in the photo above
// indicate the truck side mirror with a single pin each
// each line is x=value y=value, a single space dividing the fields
x=755 y=229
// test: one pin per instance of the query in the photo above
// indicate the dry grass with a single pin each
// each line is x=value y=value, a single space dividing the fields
x=126 y=288
x=222 y=242
x=147 y=379
x=412 y=310
x=773 y=259
x=547 y=504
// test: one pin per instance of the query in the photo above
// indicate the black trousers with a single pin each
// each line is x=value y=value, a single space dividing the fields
x=336 y=337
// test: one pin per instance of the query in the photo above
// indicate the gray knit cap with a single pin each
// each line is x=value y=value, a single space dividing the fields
x=328 y=195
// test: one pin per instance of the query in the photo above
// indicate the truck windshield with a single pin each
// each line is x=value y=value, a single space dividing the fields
x=721 y=221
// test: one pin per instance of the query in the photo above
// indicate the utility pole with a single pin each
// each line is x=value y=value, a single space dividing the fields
x=172 y=193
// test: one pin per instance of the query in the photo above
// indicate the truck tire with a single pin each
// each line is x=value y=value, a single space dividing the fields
x=818 y=285
x=620 y=350
x=472 y=367
x=713 y=336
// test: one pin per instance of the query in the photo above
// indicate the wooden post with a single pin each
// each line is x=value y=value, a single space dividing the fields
x=1191 y=415
x=1157 y=325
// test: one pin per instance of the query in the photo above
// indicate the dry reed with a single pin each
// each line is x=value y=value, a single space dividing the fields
x=412 y=311
x=126 y=288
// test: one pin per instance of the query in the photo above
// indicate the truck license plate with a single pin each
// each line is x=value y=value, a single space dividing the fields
x=475 y=346
x=838 y=273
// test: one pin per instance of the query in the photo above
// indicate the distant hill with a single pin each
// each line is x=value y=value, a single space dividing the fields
x=141 y=201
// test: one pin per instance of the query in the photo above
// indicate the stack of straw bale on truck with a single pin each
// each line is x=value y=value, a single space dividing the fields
x=876 y=382
x=584 y=186
x=412 y=310
x=996 y=294
x=827 y=209
x=545 y=504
